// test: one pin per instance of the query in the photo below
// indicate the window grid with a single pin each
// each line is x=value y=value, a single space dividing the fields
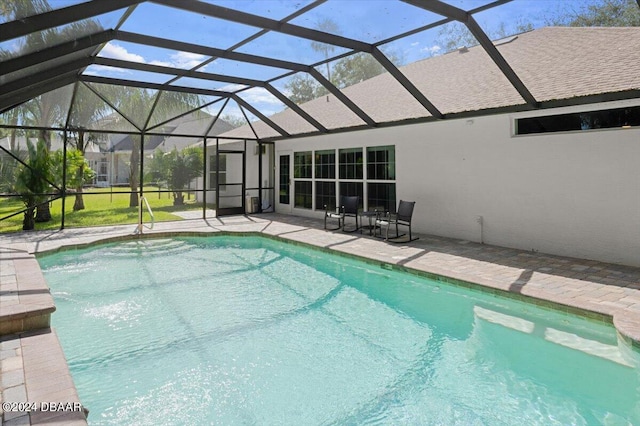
x=350 y=189
x=303 y=194
x=381 y=196
x=302 y=165
x=325 y=195
x=284 y=179
x=381 y=163
x=325 y=164
x=213 y=183
x=351 y=160
x=376 y=190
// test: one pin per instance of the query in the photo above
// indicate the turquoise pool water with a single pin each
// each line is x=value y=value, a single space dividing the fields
x=246 y=330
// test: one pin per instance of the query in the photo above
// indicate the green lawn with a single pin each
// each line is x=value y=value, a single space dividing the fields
x=105 y=208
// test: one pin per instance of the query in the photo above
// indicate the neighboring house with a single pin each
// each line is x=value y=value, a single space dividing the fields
x=109 y=155
x=20 y=143
x=559 y=179
x=97 y=159
x=183 y=132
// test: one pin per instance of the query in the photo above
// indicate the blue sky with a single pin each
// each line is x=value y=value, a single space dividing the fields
x=366 y=20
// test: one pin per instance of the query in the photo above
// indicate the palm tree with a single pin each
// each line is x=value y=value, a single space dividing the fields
x=32 y=181
x=329 y=26
x=87 y=108
x=134 y=103
x=47 y=108
x=184 y=166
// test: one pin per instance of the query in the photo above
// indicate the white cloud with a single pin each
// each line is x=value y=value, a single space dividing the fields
x=231 y=87
x=161 y=63
x=415 y=43
x=102 y=70
x=187 y=60
x=183 y=60
x=433 y=50
x=259 y=95
x=114 y=51
x=233 y=110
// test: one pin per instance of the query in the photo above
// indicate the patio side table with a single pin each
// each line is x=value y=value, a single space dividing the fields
x=370 y=216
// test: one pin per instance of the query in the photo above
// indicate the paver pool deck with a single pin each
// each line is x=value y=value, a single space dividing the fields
x=32 y=364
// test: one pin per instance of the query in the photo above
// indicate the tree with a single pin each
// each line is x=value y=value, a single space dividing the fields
x=177 y=169
x=134 y=104
x=346 y=71
x=47 y=108
x=302 y=88
x=185 y=166
x=599 y=13
x=32 y=181
x=234 y=120
x=355 y=68
x=158 y=167
x=454 y=35
x=78 y=172
x=593 y=13
x=87 y=108
x=8 y=172
x=328 y=26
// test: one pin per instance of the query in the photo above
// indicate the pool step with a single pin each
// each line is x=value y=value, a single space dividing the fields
x=150 y=246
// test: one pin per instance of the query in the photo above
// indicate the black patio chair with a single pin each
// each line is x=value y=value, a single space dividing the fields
x=333 y=214
x=401 y=218
x=350 y=209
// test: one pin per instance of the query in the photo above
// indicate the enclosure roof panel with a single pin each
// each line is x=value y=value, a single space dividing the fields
x=310 y=67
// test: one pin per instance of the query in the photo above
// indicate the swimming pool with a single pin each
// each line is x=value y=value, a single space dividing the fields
x=249 y=330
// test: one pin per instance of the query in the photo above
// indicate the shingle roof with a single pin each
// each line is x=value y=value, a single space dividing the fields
x=553 y=62
x=195 y=126
x=191 y=124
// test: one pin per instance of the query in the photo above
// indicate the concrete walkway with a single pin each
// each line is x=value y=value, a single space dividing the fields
x=599 y=290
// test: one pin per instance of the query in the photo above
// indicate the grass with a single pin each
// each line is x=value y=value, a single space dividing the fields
x=103 y=208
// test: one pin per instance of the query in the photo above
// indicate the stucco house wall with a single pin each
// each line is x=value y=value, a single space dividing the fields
x=572 y=193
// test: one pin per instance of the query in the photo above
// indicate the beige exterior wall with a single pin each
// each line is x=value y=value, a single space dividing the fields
x=573 y=194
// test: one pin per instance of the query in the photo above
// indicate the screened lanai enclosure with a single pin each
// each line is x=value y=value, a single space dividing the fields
x=177 y=106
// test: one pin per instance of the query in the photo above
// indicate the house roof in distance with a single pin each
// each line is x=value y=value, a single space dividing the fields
x=184 y=131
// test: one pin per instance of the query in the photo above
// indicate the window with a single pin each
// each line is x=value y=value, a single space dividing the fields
x=381 y=196
x=303 y=185
x=302 y=166
x=213 y=183
x=381 y=163
x=285 y=175
x=381 y=166
x=303 y=194
x=325 y=195
x=377 y=190
x=603 y=119
x=351 y=163
x=325 y=172
x=325 y=164
x=348 y=189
